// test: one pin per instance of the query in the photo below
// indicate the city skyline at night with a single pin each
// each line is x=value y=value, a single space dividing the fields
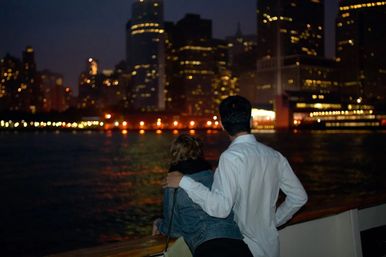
x=95 y=94
x=65 y=34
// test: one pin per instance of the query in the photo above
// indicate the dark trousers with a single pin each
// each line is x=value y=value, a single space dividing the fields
x=224 y=247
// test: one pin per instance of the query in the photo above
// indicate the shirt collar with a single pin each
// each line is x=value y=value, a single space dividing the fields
x=249 y=138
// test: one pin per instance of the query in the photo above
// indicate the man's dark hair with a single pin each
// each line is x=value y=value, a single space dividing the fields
x=235 y=112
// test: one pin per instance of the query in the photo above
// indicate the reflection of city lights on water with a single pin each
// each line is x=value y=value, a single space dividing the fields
x=158 y=131
x=192 y=132
x=142 y=132
x=124 y=132
x=175 y=132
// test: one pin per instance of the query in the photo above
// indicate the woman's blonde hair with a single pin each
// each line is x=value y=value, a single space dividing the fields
x=185 y=147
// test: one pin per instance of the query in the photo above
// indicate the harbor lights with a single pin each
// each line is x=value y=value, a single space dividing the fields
x=108 y=116
x=159 y=123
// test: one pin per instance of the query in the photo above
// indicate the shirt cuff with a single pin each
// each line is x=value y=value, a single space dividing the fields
x=186 y=182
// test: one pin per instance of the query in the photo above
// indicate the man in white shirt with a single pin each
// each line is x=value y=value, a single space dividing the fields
x=247 y=180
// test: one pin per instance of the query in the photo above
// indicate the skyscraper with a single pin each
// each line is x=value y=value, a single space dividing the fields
x=360 y=49
x=294 y=25
x=90 y=83
x=197 y=67
x=32 y=98
x=200 y=58
x=242 y=52
x=54 y=92
x=10 y=83
x=146 y=55
x=290 y=53
x=19 y=84
x=242 y=58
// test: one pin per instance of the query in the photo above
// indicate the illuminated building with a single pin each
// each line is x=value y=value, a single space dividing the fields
x=242 y=52
x=104 y=90
x=297 y=24
x=360 y=49
x=198 y=75
x=146 y=55
x=221 y=55
x=10 y=82
x=54 y=93
x=121 y=97
x=90 y=83
x=198 y=63
x=290 y=54
x=174 y=91
x=242 y=60
x=31 y=97
x=223 y=85
x=19 y=85
x=114 y=89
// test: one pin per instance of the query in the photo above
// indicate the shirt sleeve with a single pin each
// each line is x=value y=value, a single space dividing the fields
x=296 y=196
x=217 y=201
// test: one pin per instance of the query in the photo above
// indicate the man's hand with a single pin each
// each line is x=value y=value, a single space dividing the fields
x=173 y=179
x=155 y=227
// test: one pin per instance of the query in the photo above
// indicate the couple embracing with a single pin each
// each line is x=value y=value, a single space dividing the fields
x=233 y=211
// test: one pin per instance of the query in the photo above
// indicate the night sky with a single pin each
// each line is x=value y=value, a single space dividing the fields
x=66 y=33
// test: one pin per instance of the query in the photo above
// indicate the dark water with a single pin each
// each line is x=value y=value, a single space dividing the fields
x=63 y=191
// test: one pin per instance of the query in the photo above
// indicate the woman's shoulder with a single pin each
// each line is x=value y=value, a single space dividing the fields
x=206 y=174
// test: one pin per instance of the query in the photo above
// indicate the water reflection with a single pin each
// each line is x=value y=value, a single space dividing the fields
x=62 y=191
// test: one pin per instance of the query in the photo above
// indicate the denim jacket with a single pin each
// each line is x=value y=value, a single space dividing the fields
x=190 y=221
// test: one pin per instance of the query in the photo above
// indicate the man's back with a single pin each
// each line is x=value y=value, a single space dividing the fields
x=248 y=180
x=261 y=172
x=258 y=183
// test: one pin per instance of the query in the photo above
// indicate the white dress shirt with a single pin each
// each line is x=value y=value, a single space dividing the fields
x=247 y=180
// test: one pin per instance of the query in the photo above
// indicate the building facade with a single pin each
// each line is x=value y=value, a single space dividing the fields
x=90 y=84
x=360 y=49
x=56 y=97
x=146 y=55
x=198 y=73
x=290 y=50
x=19 y=83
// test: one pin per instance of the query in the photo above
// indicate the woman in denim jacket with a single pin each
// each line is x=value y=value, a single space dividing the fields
x=205 y=235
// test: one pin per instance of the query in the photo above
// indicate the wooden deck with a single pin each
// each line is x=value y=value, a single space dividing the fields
x=136 y=248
